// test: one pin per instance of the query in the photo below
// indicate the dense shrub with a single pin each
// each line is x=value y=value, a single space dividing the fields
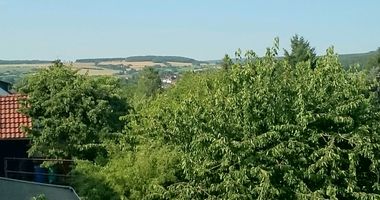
x=144 y=173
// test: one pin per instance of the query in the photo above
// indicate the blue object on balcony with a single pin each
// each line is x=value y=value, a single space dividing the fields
x=40 y=174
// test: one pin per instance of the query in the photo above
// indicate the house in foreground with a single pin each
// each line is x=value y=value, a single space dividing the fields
x=14 y=144
x=13 y=141
x=22 y=177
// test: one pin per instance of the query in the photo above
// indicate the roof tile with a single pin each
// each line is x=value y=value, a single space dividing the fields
x=11 y=120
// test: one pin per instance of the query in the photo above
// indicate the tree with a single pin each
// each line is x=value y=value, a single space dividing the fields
x=300 y=52
x=226 y=62
x=270 y=130
x=71 y=113
x=148 y=82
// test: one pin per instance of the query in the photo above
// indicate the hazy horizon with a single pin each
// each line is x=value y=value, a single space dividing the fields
x=70 y=30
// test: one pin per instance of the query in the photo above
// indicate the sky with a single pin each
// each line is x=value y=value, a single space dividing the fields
x=200 y=29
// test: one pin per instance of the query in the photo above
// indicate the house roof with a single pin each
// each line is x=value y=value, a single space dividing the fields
x=11 y=120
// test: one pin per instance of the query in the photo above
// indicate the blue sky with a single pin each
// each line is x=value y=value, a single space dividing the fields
x=201 y=29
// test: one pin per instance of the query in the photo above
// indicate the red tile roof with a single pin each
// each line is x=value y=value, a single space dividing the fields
x=11 y=120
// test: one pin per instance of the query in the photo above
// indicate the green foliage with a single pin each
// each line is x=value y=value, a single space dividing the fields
x=90 y=183
x=300 y=52
x=71 y=113
x=148 y=83
x=270 y=130
x=39 y=197
x=142 y=174
x=266 y=128
x=226 y=62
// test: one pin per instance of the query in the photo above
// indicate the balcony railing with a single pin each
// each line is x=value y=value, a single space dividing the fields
x=30 y=169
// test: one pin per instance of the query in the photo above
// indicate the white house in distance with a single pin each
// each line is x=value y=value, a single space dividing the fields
x=170 y=79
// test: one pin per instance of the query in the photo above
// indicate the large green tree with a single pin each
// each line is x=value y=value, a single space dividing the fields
x=270 y=130
x=301 y=51
x=71 y=113
x=148 y=83
x=265 y=129
x=226 y=62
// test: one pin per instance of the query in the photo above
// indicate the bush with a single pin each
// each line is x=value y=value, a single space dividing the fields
x=142 y=174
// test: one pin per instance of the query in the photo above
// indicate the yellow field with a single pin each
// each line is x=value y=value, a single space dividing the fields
x=133 y=65
x=15 y=66
x=91 y=69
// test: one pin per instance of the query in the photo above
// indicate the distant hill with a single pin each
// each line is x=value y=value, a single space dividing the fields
x=357 y=58
x=17 y=62
x=346 y=60
x=156 y=59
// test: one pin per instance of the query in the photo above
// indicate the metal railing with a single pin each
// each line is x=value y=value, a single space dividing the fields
x=30 y=169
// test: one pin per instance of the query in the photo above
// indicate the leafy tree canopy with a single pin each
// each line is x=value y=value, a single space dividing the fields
x=148 y=83
x=264 y=129
x=145 y=173
x=270 y=130
x=300 y=52
x=226 y=62
x=71 y=113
